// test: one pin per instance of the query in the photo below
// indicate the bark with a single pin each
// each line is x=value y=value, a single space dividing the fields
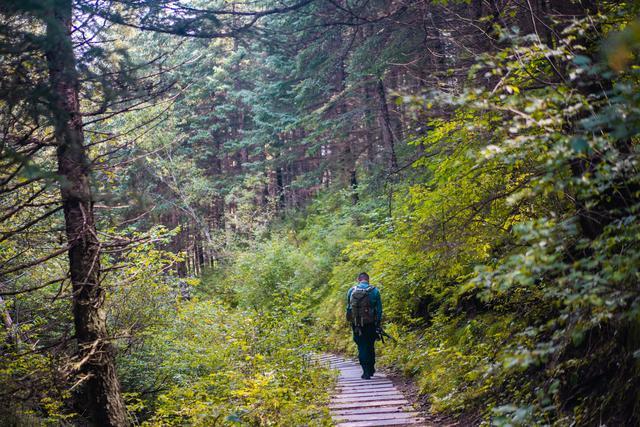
x=349 y=171
x=348 y=157
x=354 y=187
x=370 y=137
x=396 y=110
x=280 y=189
x=8 y=323
x=100 y=392
x=387 y=129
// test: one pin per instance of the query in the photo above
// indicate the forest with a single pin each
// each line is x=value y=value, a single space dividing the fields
x=188 y=188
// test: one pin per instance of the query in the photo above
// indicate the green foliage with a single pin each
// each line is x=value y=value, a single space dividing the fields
x=505 y=245
x=280 y=271
x=234 y=366
x=508 y=298
x=240 y=353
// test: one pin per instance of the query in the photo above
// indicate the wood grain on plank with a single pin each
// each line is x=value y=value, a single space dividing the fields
x=367 y=403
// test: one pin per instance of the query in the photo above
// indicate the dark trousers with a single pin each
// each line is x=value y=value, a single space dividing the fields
x=365 y=338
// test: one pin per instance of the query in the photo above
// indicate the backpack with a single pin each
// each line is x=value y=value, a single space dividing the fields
x=362 y=313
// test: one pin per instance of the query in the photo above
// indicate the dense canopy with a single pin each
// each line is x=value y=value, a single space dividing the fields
x=188 y=188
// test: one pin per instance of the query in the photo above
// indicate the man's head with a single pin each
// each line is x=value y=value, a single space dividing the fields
x=363 y=277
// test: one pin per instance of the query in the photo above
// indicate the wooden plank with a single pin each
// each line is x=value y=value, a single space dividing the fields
x=369 y=383
x=357 y=375
x=366 y=403
x=364 y=383
x=370 y=393
x=381 y=423
x=348 y=399
x=369 y=404
x=380 y=410
x=394 y=393
x=375 y=417
x=366 y=388
x=358 y=371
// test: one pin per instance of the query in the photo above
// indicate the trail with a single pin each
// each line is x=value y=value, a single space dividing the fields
x=368 y=403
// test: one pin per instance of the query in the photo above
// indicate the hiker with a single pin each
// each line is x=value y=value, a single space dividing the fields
x=364 y=312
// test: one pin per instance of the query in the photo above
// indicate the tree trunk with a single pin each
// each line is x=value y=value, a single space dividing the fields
x=368 y=120
x=280 y=188
x=101 y=389
x=12 y=336
x=354 y=187
x=387 y=129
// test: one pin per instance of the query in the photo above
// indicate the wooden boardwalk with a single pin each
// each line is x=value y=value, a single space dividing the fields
x=367 y=403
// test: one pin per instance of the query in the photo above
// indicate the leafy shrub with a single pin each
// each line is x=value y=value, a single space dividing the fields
x=222 y=366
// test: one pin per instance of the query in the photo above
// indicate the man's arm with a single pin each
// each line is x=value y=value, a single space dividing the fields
x=348 y=313
x=378 y=306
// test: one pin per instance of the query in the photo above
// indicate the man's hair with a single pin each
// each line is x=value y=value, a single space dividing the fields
x=363 y=277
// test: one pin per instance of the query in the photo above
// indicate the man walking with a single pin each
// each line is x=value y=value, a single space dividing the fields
x=364 y=312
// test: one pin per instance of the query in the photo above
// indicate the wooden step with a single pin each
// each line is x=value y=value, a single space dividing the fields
x=376 y=417
x=387 y=395
x=368 y=404
x=381 y=410
x=382 y=423
x=366 y=399
x=375 y=402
